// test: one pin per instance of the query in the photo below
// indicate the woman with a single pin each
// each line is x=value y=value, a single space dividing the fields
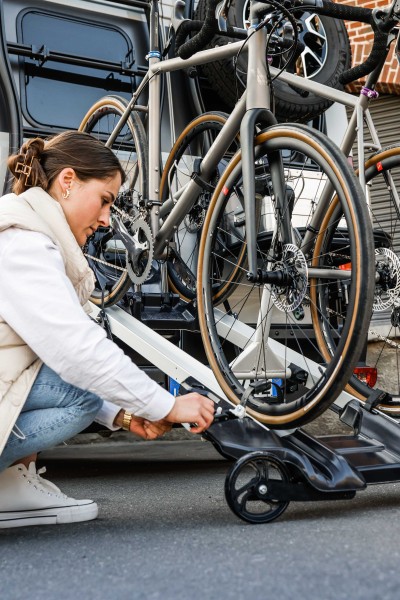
x=58 y=370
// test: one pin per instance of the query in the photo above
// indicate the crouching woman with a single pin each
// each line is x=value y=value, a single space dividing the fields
x=58 y=370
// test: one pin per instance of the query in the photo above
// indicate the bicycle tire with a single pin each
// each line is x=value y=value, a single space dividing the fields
x=304 y=391
x=383 y=349
x=191 y=146
x=106 y=255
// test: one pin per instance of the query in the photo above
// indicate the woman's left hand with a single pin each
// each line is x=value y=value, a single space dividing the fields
x=149 y=430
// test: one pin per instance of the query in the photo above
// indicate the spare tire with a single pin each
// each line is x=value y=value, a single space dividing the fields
x=326 y=56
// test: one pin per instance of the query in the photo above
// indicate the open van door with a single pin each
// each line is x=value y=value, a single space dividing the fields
x=10 y=115
x=57 y=59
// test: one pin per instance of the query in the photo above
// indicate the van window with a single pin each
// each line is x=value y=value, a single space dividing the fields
x=57 y=93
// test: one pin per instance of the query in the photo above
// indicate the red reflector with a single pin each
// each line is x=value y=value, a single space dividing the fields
x=225 y=190
x=379 y=166
x=367 y=375
x=345 y=267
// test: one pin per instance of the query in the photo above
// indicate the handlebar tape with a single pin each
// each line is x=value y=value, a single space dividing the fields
x=378 y=54
x=206 y=32
x=207 y=29
x=363 y=15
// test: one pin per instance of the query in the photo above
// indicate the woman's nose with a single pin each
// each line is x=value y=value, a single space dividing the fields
x=104 y=218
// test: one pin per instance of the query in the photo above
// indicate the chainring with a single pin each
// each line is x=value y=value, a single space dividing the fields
x=139 y=264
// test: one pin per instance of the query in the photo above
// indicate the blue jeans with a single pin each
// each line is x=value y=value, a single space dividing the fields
x=53 y=412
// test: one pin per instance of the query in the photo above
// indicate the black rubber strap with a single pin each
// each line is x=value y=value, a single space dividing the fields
x=375 y=398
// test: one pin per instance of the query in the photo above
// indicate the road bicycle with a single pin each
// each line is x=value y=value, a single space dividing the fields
x=380 y=177
x=279 y=217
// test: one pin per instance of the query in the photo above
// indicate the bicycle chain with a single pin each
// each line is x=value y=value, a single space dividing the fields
x=104 y=262
x=370 y=331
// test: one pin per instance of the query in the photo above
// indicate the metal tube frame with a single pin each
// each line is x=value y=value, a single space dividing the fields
x=258 y=98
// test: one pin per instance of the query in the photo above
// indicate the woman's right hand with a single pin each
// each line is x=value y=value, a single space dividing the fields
x=194 y=409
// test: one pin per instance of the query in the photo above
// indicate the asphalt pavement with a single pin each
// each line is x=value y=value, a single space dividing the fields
x=165 y=532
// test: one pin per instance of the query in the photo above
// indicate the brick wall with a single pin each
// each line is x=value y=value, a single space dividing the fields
x=361 y=42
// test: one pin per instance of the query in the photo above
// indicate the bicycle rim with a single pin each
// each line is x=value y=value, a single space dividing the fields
x=259 y=347
x=105 y=252
x=380 y=366
x=184 y=159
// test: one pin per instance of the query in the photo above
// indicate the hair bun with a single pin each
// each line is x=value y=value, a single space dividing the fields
x=32 y=148
x=26 y=168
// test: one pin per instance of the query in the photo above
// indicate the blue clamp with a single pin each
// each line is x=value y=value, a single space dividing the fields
x=153 y=54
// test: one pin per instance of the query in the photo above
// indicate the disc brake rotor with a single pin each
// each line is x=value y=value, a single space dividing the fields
x=288 y=297
x=387 y=289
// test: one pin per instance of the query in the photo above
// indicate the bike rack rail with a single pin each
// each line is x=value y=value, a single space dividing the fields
x=314 y=467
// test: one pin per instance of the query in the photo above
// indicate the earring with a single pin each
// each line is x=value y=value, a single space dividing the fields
x=65 y=194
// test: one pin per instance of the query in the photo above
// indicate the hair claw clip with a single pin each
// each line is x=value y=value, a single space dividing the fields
x=23 y=168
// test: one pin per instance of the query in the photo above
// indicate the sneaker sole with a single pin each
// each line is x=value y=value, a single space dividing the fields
x=49 y=516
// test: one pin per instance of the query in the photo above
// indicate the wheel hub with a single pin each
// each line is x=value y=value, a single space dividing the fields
x=289 y=294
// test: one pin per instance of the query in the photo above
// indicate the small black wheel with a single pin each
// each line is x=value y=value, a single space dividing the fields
x=252 y=487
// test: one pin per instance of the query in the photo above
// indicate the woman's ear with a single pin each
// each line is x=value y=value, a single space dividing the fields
x=64 y=180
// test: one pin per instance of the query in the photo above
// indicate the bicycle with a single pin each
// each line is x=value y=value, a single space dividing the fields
x=381 y=171
x=252 y=240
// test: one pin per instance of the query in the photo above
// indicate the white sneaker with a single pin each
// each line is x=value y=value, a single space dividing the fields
x=28 y=499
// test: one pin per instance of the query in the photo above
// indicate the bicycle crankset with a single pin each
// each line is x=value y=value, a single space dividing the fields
x=139 y=261
x=138 y=241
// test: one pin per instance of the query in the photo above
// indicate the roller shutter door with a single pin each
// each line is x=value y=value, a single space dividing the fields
x=385 y=113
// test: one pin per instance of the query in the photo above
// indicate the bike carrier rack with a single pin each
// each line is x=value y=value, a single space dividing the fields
x=274 y=467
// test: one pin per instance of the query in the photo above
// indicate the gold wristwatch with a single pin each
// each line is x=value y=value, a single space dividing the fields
x=126 y=421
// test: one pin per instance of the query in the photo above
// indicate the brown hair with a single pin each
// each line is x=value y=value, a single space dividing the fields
x=40 y=161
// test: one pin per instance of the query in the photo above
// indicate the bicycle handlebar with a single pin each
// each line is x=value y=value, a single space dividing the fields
x=379 y=20
x=364 y=15
x=206 y=31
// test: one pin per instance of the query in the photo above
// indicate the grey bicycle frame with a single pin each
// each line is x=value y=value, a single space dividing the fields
x=256 y=95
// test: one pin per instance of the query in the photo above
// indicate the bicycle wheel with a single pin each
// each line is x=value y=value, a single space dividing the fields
x=114 y=267
x=260 y=347
x=382 y=356
x=183 y=160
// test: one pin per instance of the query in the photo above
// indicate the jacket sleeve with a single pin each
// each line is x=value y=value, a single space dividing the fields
x=39 y=302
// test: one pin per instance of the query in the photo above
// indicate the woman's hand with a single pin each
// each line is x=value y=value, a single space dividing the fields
x=148 y=430
x=155 y=429
x=194 y=409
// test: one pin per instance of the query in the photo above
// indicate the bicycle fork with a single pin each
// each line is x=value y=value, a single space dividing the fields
x=258 y=112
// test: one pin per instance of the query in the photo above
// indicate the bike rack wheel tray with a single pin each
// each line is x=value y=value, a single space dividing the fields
x=305 y=467
x=273 y=467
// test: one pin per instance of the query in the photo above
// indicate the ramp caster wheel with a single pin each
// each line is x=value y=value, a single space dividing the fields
x=251 y=484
